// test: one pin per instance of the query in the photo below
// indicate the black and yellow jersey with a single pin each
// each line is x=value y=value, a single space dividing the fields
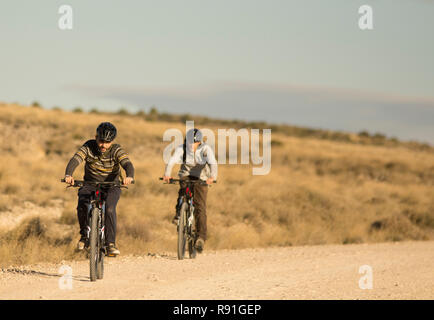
x=101 y=166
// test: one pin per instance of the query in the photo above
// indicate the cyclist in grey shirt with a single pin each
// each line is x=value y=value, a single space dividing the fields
x=197 y=161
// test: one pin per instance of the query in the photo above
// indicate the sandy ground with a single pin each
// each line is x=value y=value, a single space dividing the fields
x=402 y=270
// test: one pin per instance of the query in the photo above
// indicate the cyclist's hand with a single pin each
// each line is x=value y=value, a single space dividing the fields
x=167 y=179
x=210 y=180
x=127 y=181
x=69 y=180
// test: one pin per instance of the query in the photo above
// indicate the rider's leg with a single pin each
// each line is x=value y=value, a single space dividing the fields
x=113 y=195
x=84 y=194
x=181 y=191
x=199 y=201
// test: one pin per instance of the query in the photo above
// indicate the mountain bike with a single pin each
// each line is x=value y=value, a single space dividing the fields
x=96 y=225
x=186 y=224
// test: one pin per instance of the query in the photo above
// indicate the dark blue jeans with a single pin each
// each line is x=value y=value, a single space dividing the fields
x=111 y=200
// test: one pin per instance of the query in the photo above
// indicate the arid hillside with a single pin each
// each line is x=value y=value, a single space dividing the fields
x=323 y=187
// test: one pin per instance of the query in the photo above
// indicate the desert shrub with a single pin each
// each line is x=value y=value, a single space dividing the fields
x=123 y=112
x=94 y=111
x=36 y=104
x=69 y=216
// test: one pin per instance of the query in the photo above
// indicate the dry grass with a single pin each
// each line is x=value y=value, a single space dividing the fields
x=318 y=191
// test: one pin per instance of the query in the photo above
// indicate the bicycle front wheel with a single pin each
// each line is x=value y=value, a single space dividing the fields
x=93 y=244
x=182 y=231
x=191 y=239
x=101 y=254
x=100 y=265
x=191 y=249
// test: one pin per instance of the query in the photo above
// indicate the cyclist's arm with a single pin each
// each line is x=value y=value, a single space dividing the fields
x=78 y=158
x=70 y=168
x=210 y=158
x=125 y=162
x=175 y=159
x=128 y=167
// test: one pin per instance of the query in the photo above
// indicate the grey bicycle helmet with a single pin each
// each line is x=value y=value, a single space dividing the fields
x=195 y=135
x=106 y=131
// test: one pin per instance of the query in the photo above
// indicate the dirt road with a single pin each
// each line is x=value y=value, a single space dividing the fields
x=399 y=271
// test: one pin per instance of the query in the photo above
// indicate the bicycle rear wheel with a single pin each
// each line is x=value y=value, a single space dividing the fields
x=191 y=240
x=182 y=231
x=94 y=250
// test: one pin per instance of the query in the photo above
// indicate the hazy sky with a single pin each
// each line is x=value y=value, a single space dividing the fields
x=298 y=62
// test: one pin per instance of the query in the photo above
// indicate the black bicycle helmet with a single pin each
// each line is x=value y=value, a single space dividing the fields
x=196 y=134
x=106 y=131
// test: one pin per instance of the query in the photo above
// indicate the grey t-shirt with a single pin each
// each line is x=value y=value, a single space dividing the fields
x=202 y=164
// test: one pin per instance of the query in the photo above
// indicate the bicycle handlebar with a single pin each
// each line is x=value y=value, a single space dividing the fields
x=172 y=181
x=80 y=183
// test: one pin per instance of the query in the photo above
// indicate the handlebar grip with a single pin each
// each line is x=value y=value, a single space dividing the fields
x=62 y=180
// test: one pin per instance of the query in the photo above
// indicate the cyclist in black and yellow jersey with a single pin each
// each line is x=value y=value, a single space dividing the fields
x=103 y=160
